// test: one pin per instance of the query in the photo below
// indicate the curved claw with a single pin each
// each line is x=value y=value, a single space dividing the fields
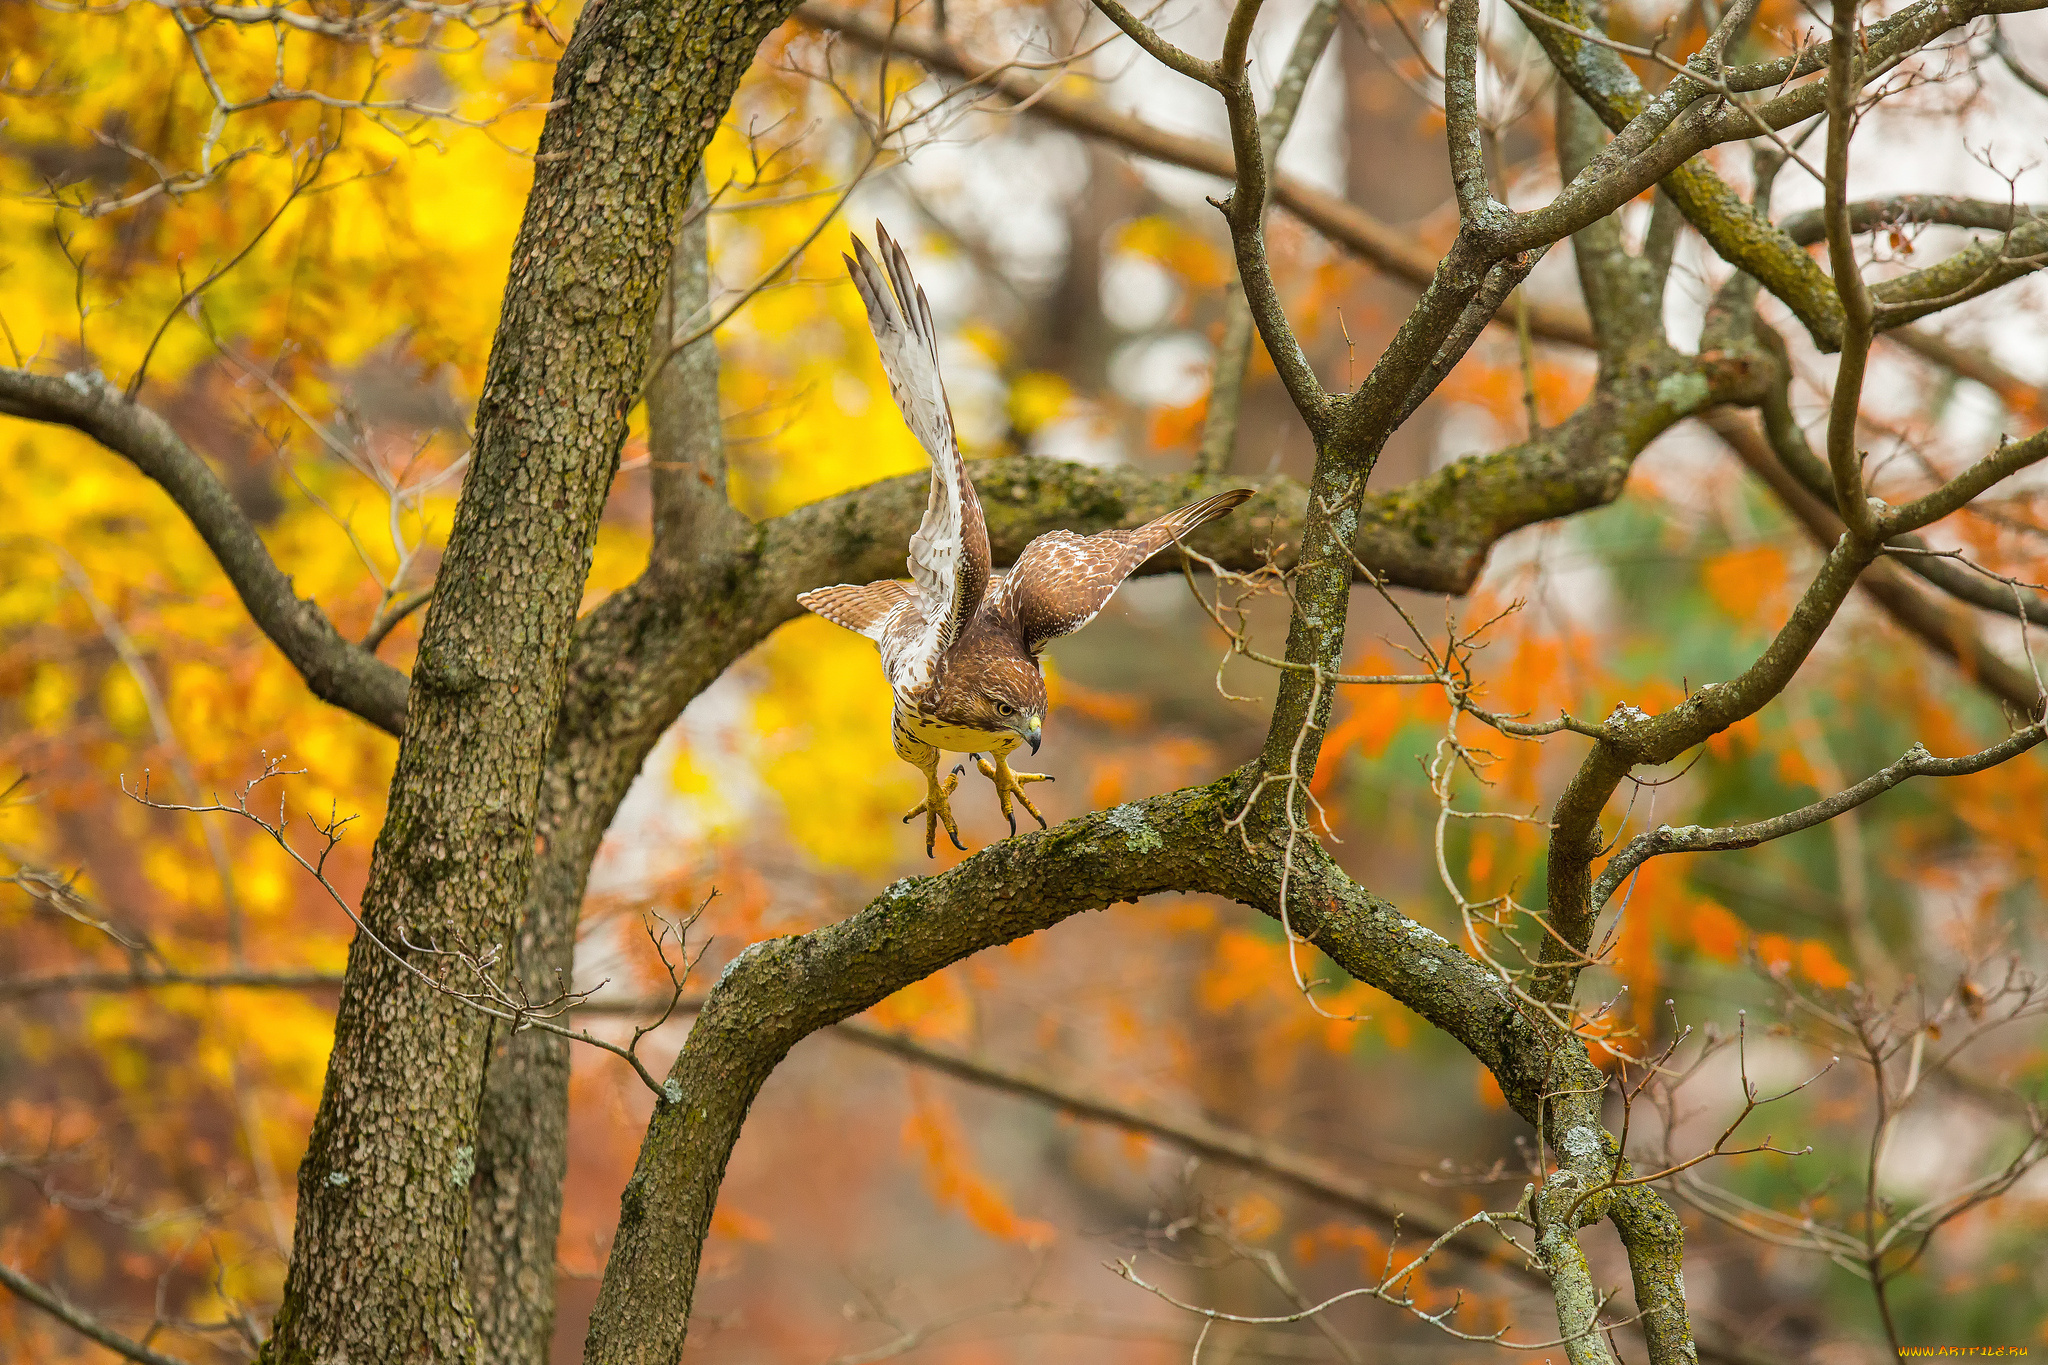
x=1010 y=787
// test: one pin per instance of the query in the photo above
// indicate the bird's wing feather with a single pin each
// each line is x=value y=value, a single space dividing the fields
x=1062 y=580
x=864 y=608
x=949 y=554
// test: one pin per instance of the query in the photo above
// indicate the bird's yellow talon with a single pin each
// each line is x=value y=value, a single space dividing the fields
x=1011 y=784
x=935 y=808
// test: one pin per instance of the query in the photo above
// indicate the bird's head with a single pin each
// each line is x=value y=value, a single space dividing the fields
x=1012 y=698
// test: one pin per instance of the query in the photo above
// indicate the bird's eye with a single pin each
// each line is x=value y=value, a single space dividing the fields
x=1004 y=708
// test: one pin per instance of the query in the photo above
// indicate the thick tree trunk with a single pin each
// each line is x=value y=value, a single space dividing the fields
x=377 y=1266
x=624 y=692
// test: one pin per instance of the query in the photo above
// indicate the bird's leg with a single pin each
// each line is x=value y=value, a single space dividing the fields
x=935 y=807
x=1009 y=784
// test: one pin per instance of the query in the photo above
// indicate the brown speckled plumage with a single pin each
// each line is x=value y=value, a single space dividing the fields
x=959 y=646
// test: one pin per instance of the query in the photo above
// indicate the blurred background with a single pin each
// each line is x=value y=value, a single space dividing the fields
x=351 y=221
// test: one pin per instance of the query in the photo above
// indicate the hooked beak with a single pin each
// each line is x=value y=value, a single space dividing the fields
x=1031 y=733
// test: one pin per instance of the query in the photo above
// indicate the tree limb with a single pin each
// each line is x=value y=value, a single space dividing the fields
x=781 y=990
x=29 y=987
x=338 y=671
x=1946 y=628
x=80 y=1321
x=1915 y=762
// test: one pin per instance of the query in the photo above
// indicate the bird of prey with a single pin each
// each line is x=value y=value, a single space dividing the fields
x=960 y=647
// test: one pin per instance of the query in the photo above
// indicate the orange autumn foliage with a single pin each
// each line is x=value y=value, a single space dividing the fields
x=1370 y=717
x=933 y=1132
x=1752 y=584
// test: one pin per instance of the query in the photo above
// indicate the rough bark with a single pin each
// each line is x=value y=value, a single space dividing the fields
x=377 y=1266
x=522 y=1138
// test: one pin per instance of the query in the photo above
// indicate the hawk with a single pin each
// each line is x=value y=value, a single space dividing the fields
x=960 y=646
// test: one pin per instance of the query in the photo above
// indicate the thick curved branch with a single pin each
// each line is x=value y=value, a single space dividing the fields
x=1970 y=273
x=1432 y=534
x=1655 y=1241
x=647 y=650
x=782 y=990
x=1859 y=326
x=338 y=671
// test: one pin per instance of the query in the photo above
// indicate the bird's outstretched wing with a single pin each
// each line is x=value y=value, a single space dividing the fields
x=864 y=608
x=1062 y=580
x=949 y=557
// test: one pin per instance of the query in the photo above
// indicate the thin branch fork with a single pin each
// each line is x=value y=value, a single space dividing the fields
x=1751 y=1102
x=1341 y=222
x=1633 y=739
x=1877 y=1030
x=1915 y=762
x=1652 y=135
x=489 y=997
x=80 y=1321
x=1390 y=1289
